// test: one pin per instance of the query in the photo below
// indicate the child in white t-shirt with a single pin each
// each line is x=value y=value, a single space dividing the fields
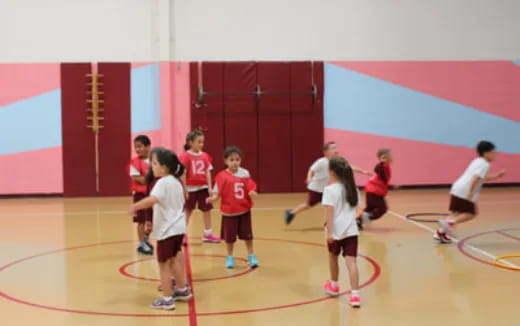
x=317 y=180
x=169 y=225
x=340 y=200
x=465 y=191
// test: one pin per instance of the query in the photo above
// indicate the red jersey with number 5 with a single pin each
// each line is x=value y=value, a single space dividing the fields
x=234 y=191
x=197 y=165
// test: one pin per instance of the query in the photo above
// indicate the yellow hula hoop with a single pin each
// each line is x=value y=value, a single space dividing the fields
x=498 y=262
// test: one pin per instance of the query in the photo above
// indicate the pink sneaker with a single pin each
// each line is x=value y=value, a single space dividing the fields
x=331 y=290
x=355 y=301
x=210 y=238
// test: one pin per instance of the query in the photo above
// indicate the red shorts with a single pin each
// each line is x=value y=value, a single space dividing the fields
x=348 y=246
x=169 y=247
x=314 y=198
x=144 y=214
x=233 y=226
x=461 y=205
x=198 y=199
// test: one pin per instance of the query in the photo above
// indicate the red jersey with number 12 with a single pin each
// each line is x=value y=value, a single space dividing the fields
x=197 y=165
x=234 y=191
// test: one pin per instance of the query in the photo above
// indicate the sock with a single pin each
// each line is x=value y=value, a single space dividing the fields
x=355 y=293
x=208 y=232
x=142 y=244
x=146 y=237
x=334 y=283
x=182 y=289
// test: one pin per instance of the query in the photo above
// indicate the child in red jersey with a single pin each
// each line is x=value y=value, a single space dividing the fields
x=376 y=189
x=235 y=187
x=198 y=181
x=138 y=168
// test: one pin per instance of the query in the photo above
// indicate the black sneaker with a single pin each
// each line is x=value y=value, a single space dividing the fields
x=185 y=295
x=144 y=251
x=289 y=216
x=148 y=244
x=359 y=224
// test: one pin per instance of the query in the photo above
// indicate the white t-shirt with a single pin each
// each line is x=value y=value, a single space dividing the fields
x=168 y=213
x=344 y=216
x=478 y=167
x=133 y=170
x=320 y=176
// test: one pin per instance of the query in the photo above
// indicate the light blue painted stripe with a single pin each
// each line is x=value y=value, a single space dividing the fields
x=357 y=102
x=31 y=124
x=145 y=98
x=516 y=62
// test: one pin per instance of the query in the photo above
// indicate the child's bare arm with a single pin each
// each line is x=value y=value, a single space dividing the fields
x=147 y=202
x=310 y=174
x=473 y=184
x=329 y=211
x=360 y=170
x=139 y=179
x=209 y=181
x=495 y=176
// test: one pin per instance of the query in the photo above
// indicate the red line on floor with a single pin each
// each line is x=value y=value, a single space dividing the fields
x=505 y=234
x=191 y=304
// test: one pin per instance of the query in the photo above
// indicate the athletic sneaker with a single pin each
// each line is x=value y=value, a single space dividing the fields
x=144 y=250
x=163 y=303
x=330 y=289
x=366 y=218
x=441 y=237
x=184 y=295
x=211 y=238
x=147 y=242
x=355 y=301
x=289 y=216
x=230 y=262
x=253 y=262
x=447 y=227
x=359 y=223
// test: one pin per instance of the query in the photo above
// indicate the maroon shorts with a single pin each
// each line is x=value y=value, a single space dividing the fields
x=233 y=226
x=144 y=214
x=348 y=246
x=169 y=247
x=314 y=198
x=461 y=205
x=376 y=205
x=198 y=199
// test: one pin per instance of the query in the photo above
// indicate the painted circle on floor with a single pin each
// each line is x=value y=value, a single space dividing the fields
x=462 y=245
x=123 y=270
x=376 y=271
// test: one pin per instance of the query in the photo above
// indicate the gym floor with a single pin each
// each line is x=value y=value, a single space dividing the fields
x=73 y=262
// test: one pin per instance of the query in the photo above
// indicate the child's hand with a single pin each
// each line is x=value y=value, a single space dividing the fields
x=330 y=239
x=367 y=173
x=132 y=210
x=186 y=194
x=148 y=226
x=501 y=174
x=253 y=193
x=211 y=199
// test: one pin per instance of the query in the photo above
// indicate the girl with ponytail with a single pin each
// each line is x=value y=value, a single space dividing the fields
x=169 y=224
x=340 y=199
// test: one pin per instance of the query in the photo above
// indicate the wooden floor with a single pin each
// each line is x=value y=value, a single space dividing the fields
x=73 y=262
